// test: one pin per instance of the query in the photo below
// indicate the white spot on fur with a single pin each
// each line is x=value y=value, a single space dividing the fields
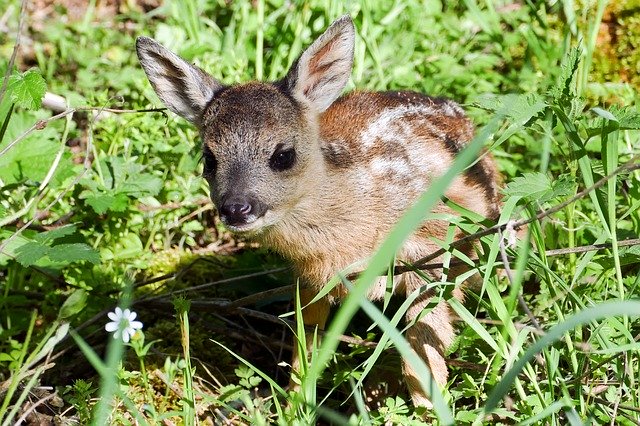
x=395 y=166
x=389 y=125
x=452 y=109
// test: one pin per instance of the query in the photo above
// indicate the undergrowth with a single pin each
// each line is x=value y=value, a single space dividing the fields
x=102 y=205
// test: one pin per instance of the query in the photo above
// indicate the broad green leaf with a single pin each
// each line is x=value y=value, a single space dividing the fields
x=74 y=304
x=105 y=202
x=101 y=203
x=604 y=114
x=529 y=185
x=48 y=236
x=141 y=185
x=31 y=158
x=31 y=252
x=68 y=253
x=27 y=89
x=129 y=246
x=537 y=186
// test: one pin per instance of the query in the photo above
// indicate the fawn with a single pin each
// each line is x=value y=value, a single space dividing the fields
x=321 y=179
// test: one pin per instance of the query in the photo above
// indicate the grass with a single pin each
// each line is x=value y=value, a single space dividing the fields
x=102 y=208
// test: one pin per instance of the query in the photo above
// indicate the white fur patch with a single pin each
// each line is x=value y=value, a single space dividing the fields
x=396 y=166
x=452 y=109
x=389 y=125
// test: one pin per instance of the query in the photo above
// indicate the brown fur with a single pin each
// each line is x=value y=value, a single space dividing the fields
x=360 y=162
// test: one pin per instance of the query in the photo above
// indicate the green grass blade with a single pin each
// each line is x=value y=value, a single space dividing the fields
x=603 y=310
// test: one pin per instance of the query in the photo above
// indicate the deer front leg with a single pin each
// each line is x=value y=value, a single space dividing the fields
x=429 y=337
x=315 y=314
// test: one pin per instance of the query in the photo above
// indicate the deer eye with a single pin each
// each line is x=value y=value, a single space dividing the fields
x=282 y=158
x=210 y=163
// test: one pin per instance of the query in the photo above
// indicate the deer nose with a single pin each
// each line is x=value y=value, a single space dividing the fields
x=238 y=211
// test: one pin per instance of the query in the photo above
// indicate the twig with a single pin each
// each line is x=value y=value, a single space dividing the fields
x=174 y=205
x=592 y=247
x=210 y=284
x=33 y=406
x=248 y=300
x=621 y=406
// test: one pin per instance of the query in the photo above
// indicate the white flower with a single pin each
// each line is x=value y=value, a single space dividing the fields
x=123 y=324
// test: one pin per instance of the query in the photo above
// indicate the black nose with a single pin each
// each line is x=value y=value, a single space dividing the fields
x=236 y=210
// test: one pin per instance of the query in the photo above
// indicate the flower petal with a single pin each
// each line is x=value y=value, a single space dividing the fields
x=135 y=325
x=118 y=312
x=125 y=336
x=132 y=316
x=113 y=317
x=111 y=326
x=126 y=313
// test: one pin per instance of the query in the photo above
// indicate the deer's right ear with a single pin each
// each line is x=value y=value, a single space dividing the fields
x=184 y=88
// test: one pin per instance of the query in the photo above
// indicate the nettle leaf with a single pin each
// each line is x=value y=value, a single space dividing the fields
x=518 y=109
x=142 y=185
x=628 y=118
x=537 y=186
x=529 y=185
x=48 y=236
x=100 y=203
x=27 y=89
x=106 y=202
x=563 y=186
x=74 y=252
x=30 y=253
x=564 y=89
x=41 y=247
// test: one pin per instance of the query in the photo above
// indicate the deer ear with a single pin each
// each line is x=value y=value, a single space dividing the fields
x=184 y=88
x=318 y=77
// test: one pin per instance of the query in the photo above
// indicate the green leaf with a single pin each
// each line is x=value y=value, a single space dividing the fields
x=141 y=185
x=27 y=89
x=31 y=158
x=537 y=186
x=604 y=114
x=563 y=186
x=530 y=185
x=564 y=90
x=49 y=236
x=105 y=202
x=31 y=252
x=101 y=203
x=74 y=304
x=68 y=253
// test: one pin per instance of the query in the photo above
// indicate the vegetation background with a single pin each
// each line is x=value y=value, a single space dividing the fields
x=102 y=205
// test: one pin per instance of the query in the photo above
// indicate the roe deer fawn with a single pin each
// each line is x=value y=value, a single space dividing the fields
x=322 y=179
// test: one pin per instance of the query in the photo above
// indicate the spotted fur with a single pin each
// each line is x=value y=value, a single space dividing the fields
x=360 y=162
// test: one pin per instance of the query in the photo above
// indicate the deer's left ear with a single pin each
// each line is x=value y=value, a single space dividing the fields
x=318 y=77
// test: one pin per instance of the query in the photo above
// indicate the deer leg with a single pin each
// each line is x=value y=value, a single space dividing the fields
x=429 y=337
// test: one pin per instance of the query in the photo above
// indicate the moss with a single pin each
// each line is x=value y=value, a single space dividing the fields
x=617 y=55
